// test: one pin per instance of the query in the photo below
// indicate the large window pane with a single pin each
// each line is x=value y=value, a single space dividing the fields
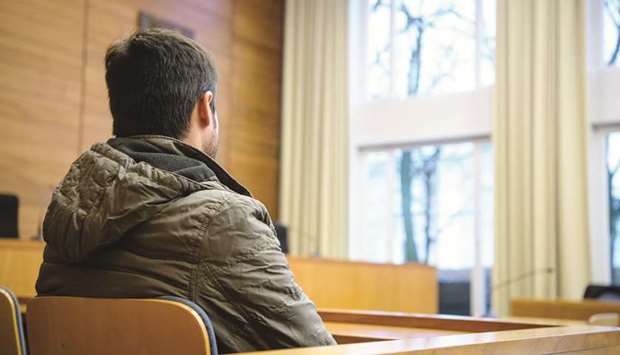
x=379 y=48
x=430 y=204
x=611 y=25
x=613 y=179
x=487 y=44
x=423 y=47
x=434 y=47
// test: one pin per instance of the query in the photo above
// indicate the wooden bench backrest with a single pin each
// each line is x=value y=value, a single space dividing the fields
x=75 y=326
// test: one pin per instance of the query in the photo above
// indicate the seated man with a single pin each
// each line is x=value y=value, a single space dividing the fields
x=150 y=213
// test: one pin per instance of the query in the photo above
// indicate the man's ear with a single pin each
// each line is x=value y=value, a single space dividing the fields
x=205 y=114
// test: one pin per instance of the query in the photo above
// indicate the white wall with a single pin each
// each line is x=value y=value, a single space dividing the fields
x=423 y=119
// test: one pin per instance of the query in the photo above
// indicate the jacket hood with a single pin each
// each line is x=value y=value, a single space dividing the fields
x=118 y=185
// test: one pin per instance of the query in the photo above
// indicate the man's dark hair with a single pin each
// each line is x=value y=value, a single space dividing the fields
x=154 y=79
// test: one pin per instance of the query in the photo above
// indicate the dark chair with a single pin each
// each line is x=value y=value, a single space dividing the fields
x=454 y=292
x=202 y=314
x=282 y=234
x=9 y=206
x=603 y=293
x=12 y=339
x=101 y=326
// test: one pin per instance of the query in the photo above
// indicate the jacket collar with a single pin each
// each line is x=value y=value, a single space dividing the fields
x=175 y=156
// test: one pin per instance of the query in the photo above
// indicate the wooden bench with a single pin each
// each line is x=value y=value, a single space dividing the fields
x=77 y=326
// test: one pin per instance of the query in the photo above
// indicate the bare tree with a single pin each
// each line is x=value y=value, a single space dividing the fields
x=614 y=215
x=406 y=179
x=427 y=164
x=418 y=25
x=429 y=173
x=612 y=7
x=421 y=165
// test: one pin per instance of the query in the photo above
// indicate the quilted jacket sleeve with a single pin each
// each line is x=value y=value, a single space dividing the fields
x=244 y=260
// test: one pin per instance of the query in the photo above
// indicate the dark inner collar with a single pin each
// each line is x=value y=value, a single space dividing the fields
x=175 y=156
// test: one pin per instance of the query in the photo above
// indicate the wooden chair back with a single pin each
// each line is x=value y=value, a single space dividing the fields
x=76 y=326
x=12 y=340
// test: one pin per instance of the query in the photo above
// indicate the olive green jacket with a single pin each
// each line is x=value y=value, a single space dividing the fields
x=149 y=216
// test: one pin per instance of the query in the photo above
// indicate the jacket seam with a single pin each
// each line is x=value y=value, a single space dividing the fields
x=209 y=267
x=227 y=294
x=205 y=225
x=198 y=253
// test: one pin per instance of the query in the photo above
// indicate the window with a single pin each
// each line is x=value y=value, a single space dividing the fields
x=418 y=47
x=604 y=84
x=611 y=35
x=613 y=185
x=431 y=204
x=422 y=166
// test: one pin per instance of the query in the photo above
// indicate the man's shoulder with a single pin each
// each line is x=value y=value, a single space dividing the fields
x=217 y=199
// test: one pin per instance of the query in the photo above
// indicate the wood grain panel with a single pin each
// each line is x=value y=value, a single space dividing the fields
x=426 y=321
x=19 y=265
x=40 y=61
x=535 y=341
x=369 y=332
x=112 y=20
x=561 y=309
x=364 y=286
x=48 y=49
x=78 y=326
x=246 y=39
x=254 y=137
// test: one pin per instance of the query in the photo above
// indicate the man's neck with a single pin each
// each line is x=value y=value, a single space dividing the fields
x=194 y=140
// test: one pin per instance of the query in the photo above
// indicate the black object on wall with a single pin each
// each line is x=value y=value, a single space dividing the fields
x=9 y=207
x=282 y=234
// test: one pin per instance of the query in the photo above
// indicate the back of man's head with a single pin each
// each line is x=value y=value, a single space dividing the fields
x=155 y=77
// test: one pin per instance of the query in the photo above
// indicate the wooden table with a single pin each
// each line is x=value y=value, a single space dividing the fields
x=370 y=332
x=580 y=310
x=360 y=332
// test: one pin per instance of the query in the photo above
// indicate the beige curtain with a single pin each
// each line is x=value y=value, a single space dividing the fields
x=314 y=180
x=540 y=135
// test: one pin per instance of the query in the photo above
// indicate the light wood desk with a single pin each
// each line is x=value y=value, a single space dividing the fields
x=361 y=332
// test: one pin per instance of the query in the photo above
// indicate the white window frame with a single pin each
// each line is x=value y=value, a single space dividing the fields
x=604 y=113
x=384 y=123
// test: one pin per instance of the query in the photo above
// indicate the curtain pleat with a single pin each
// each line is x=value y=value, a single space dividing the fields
x=540 y=137
x=314 y=180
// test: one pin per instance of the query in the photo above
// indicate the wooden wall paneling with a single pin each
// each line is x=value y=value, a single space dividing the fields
x=112 y=20
x=40 y=61
x=254 y=149
x=53 y=98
